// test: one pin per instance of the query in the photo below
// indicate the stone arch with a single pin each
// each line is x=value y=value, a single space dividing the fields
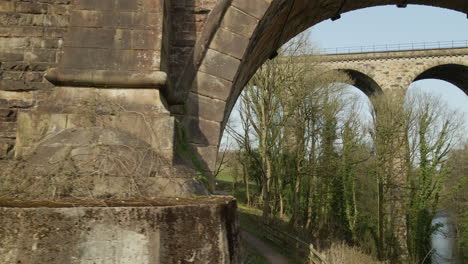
x=456 y=74
x=363 y=82
x=238 y=37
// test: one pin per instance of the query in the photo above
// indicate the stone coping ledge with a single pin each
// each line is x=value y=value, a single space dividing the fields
x=106 y=78
x=158 y=202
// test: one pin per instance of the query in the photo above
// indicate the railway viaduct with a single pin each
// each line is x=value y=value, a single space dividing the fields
x=382 y=71
x=92 y=82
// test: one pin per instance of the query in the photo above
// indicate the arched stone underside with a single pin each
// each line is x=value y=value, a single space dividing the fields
x=363 y=82
x=453 y=73
x=236 y=40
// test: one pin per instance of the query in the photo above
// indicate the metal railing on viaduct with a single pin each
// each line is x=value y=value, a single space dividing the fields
x=396 y=47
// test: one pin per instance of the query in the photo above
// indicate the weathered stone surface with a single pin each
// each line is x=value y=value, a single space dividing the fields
x=219 y=64
x=230 y=43
x=99 y=162
x=239 y=22
x=6 y=147
x=8 y=115
x=205 y=107
x=212 y=86
x=202 y=230
x=207 y=155
x=31 y=36
x=201 y=131
x=254 y=8
x=7 y=129
x=157 y=129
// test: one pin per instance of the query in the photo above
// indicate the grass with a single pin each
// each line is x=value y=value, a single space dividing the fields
x=226 y=183
x=340 y=253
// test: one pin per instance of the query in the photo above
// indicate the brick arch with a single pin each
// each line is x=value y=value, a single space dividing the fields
x=456 y=74
x=238 y=37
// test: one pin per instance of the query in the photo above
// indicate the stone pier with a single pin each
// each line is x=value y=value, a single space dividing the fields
x=164 y=231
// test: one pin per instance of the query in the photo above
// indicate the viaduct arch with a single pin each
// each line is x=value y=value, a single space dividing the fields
x=243 y=34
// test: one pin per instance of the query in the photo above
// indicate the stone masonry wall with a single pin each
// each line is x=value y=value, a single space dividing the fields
x=188 y=18
x=200 y=230
x=31 y=37
x=33 y=32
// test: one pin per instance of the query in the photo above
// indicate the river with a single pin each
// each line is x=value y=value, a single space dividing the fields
x=443 y=240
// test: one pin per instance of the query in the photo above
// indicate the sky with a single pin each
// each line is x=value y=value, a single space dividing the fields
x=392 y=25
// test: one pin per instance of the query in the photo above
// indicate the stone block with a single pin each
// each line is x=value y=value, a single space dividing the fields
x=40 y=55
x=91 y=18
x=31 y=8
x=125 y=5
x=11 y=85
x=59 y=9
x=21 y=31
x=7 y=129
x=213 y=86
x=205 y=107
x=12 y=75
x=86 y=58
x=201 y=131
x=221 y=65
x=158 y=231
x=11 y=55
x=7 y=43
x=13 y=66
x=54 y=32
x=239 y=22
x=230 y=43
x=45 y=43
x=95 y=5
x=207 y=156
x=90 y=38
x=137 y=60
x=56 y=21
x=153 y=6
x=7 y=6
x=136 y=20
x=254 y=8
x=138 y=39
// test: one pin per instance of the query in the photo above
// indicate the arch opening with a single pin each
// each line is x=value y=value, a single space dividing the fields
x=449 y=96
x=455 y=74
x=363 y=82
x=285 y=19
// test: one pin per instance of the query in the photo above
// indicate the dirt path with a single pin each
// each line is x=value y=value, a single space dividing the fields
x=270 y=254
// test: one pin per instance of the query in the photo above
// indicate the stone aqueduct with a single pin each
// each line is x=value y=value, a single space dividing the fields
x=164 y=74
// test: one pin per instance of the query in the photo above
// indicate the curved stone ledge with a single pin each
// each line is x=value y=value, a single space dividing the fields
x=198 y=230
x=107 y=78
